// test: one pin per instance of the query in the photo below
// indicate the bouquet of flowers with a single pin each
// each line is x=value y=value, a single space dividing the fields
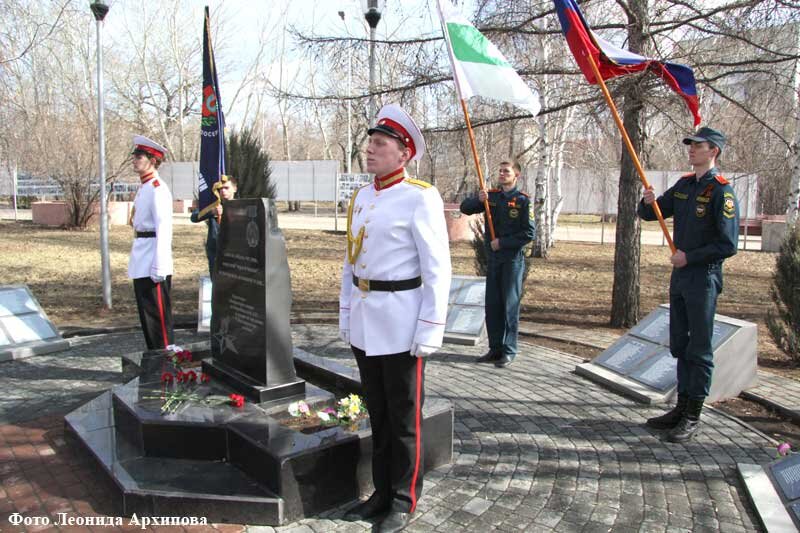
x=348 y=409
x=180 y=386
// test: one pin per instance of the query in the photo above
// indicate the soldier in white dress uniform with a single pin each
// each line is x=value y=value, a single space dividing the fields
x=150 y=264
x=393 y=306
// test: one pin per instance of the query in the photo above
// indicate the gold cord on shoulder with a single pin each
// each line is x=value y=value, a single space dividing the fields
x=353 y=243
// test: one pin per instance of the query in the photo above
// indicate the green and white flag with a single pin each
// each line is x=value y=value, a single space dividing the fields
x=479 y=68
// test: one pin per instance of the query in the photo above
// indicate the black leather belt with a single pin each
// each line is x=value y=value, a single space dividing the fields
x=145 y=234
x=390 y=286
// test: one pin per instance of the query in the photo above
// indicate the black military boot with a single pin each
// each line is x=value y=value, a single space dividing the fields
x=671 y=418
x=689 y=425
x=489 y=357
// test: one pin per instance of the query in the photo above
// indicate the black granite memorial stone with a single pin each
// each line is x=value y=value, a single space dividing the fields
x=251 y=300
x=787 y=474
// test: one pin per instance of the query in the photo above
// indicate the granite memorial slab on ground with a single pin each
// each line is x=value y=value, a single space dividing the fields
x=466 y=316
x=25 y=329
x=640 y=364
x=251 y=300
x=774 y=490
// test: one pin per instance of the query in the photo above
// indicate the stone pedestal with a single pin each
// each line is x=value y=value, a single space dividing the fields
x=640 y=365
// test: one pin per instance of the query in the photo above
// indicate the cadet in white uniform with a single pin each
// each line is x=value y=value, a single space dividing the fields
x=393 y=306
x=150 y=265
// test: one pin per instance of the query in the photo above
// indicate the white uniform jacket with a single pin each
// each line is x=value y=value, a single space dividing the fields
x=152 y=211
x=405 y=236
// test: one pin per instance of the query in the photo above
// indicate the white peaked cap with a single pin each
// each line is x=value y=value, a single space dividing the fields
x=142 y=143
x=393 y=121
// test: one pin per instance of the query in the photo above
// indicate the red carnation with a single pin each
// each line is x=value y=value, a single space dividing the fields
x=191 y=376
x=167 y=377
x=204 y=378
x=237 y=400
x=186 y=355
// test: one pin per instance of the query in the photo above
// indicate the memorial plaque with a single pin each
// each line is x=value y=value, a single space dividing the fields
x=25 y=329
x=455 y=289
x=204 y=304
x=466 y=312
x=17 y=301
x=251 y=341
x=28 y=328
x=626 y=354
x=787 y=474
x=651 y=375
x=468 y=291
x=467 y=320
x=722 y=332
x=795 y=508
x=659 y=371
x=654 y=327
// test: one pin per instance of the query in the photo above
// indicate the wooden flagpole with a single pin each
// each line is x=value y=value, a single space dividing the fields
x=481 y=182
x=631 y=151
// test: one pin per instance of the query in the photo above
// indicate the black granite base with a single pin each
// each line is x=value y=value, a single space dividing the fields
x=232 y=464
x=248 y=387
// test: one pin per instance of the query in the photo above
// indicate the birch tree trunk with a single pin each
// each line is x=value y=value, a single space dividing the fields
x=793 y=204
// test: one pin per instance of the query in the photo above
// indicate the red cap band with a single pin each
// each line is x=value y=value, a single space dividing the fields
x=150 y=150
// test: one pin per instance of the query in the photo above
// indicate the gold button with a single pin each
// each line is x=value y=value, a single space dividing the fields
x=363 y=265
x=363 y=250
x=366 y=221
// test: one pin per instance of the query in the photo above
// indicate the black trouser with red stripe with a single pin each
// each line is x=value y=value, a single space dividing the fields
x=155 y=311
x=394 y=389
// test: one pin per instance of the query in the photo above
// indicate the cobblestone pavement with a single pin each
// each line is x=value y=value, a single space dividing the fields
x=536 y=448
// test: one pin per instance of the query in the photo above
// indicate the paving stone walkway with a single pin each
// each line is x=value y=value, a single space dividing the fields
x=536 y=448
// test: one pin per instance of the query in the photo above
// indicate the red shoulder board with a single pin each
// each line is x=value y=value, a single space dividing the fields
x=721 y=180
x=526 y=195
x=156 y=183
x=687 y=176
x=494 y=190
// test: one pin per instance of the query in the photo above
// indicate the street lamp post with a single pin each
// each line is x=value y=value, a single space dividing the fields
x=349 y=159
x=99 y=10
x=372 y=13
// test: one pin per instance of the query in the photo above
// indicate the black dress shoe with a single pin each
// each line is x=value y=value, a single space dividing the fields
x=394 y=522
x=374 y=506
x=488 y=357
x=503 y=362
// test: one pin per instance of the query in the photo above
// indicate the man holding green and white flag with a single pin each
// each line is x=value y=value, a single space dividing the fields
x=479 y=68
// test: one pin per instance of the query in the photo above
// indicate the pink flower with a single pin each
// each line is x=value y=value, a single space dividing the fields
x=784 y=449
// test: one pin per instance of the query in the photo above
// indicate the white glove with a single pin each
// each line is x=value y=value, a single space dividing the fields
x=422 y=350
x=157 y=279
x=344 y=334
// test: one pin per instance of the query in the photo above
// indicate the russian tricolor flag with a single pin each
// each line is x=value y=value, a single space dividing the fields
x=612 y=61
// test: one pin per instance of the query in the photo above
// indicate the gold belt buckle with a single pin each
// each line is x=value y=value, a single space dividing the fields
x=363 y=284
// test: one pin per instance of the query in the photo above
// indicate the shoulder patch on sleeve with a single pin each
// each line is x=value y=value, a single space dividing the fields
x=156 y=183
x=419 y=183
x=728 y=208
x=526 y=195
x=721 y=179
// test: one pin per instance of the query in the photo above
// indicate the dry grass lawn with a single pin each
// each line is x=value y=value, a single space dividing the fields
x=573 y=286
